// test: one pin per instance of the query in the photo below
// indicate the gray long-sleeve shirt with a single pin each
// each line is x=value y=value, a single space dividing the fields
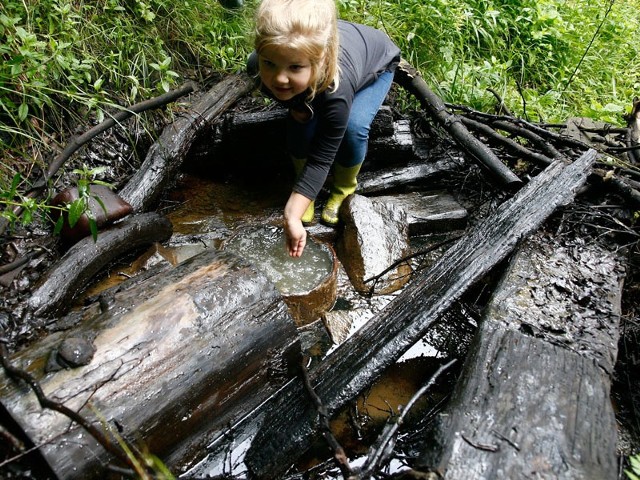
x=364 y=54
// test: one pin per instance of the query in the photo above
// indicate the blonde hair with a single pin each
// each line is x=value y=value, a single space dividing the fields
x=308 y=26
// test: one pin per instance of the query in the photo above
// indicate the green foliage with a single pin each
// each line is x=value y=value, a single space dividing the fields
x=634 y=474
x=21 y=208
x=547 y=59
x=64 y=63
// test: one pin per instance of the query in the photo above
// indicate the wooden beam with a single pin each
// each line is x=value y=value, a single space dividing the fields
x=178 y=356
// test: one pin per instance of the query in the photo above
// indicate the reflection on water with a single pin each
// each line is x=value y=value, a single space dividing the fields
x=265 y=248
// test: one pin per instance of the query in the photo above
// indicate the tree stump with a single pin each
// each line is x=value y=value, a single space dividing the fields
x=533 y=399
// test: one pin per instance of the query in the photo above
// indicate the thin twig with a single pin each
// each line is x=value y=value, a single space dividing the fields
x=376 y=278
x=339 y=454
x=380 y=453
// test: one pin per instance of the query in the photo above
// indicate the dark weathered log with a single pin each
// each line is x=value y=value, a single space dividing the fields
x=409 y=78
x=73 y=272
x=167 y=154
x=357 y=362
x=618 y=185
x=414 y=174
x=521 y=131
x=177 y=358
x=533 y=398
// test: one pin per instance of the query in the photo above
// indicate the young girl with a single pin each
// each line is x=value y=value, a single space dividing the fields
x=333 y=76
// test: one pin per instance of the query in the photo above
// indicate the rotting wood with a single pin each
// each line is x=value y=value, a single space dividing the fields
x=167 y=154
x=177 y=357
x=414 y=174
x=410 y=79
x=357 y=362
x=77 y=267
x=558 y=307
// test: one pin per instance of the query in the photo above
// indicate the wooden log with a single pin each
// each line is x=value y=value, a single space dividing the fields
x=72 y=273
x=533 y=399
x=167 y=154
x=358 y=361
x=177 y=357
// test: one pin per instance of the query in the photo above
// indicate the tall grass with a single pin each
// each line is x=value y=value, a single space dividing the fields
x=64 y=62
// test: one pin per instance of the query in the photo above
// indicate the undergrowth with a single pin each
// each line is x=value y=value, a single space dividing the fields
x=67 y=64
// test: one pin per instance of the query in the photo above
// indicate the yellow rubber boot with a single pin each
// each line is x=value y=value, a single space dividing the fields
x=344 y=184
x=308 y=218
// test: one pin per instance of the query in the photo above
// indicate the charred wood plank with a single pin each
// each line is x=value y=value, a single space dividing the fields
x=178 y=356
x=409 y=78
x=167 y=154
x=77 y=267
x=358 y=361
x=413 y=175
x=535 y=386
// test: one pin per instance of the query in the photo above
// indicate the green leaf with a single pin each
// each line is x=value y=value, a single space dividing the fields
x=76 y=209
x=23 y=111
x=101 y=203
x=93 y=226
x=58 y=226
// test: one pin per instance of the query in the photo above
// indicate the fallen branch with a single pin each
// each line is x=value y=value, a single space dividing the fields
x=379 y=453
x=166 y=155
x=409 y=78
x=85 y=259
x=510 y=144
x=20 y=375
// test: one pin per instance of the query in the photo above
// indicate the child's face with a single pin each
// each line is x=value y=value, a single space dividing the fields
x=284 y=71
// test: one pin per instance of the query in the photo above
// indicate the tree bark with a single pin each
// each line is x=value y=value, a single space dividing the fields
x=167 y=154
x=73 y=272
x=177 y=358
x=533 y=398
x=357 y=362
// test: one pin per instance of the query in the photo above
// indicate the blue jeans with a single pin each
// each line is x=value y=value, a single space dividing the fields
x=353 y=148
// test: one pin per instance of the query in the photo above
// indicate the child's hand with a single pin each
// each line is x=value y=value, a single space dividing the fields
x=294 y=232
x=296 y=237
